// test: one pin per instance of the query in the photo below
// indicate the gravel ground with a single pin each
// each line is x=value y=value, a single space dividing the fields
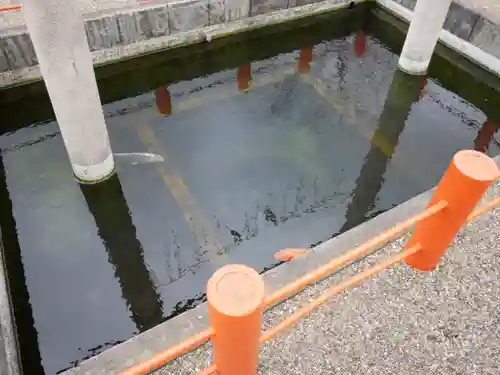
x=402 y=321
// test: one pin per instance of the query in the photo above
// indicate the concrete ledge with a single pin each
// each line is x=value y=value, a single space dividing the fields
x=9 y=363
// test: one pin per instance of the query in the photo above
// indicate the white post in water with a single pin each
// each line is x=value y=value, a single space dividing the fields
x=423 y=34
x=57 y=30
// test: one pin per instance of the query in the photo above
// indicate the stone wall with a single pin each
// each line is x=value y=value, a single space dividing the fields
x=115 y=33
x=118 y=29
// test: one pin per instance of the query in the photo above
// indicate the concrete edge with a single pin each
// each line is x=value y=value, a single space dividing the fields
x=163 y=336
x=9 y=348
x=197 y=35
x=459 y=45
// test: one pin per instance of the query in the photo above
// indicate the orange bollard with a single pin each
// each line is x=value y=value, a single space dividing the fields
x=235 y=295
x=305 y=58
x=244 y=77
x=163 y=101
x=468 y=177
x=360 y=43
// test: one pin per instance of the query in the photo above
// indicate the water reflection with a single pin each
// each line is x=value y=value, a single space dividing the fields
x=244 y=77
x=107 y=204
x=485 y=135
x=163 y=101
x=360 y=43
x=404 y=91
x=305 y=59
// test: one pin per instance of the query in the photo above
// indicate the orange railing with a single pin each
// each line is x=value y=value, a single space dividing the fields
x=10 y=7
x=235 y=293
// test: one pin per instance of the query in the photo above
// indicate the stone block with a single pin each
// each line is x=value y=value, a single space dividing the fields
x=460 y=21
x=486 y=35
x=216 y=11
x=237 y=9
x=18 y=50
x=265 y=6
x=410 y=4
x=102 y=33
x=188 y=15
x=4 y=64
x=297 y=3
x=128 y=28
x=153 y=22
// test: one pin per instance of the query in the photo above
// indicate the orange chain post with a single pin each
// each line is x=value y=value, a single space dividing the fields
x=468 y=177
x=235 y=295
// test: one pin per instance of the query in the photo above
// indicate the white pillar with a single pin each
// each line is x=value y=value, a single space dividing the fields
x=423 y=34
x=57 y=30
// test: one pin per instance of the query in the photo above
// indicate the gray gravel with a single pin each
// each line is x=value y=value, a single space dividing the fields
x=402 y=321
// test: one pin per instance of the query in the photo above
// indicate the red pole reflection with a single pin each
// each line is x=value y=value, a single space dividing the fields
x=485 y=136
x=163 y=101
x=360 y=43
x=305 y=58
x=244 y=77
x=423 y=85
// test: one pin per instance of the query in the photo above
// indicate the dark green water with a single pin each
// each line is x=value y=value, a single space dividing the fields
x=291 y=162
